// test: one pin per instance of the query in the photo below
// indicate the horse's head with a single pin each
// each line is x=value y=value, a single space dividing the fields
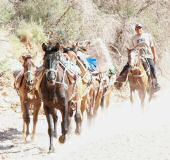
x=51 y=61
x=133 y=57
x=29 y=69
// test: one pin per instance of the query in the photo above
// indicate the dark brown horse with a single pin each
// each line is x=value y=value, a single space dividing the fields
x=138 y=79
x=28 y=94
x=56 y=92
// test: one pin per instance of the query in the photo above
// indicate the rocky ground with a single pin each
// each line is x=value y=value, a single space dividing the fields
x=122 y=132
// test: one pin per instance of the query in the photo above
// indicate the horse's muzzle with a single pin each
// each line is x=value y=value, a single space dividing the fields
x=30 y=82
x=51 y=76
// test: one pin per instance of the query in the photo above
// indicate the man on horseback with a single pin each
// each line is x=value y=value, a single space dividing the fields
x=143 y=42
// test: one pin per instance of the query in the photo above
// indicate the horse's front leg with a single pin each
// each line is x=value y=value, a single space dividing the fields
x=84 y=104
x=90 y=103
x=26 y=119
x=65 y=122
x=49 y=118
x=55 y=119
x=142 y=95
x=108 y=97
x=98 y=101
x=103 y=99
x=37 y=106
x=131 y=95
x=78 y=117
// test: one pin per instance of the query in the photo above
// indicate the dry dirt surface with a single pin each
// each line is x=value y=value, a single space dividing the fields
x=122 y=132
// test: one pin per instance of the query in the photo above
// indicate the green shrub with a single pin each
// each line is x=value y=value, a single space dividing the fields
x=39 y=10
x=70 y=26
x=48 y=13
x=33 y=31
x=6 y=11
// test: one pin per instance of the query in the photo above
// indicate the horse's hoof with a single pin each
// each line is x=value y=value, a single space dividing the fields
x=77 y=132
x=62 y=139
x=33 y=137
x=55 y=135
x=51 y=150
x=27 y=139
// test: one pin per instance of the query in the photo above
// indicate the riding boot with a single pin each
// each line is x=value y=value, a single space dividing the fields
x=155 y=85
x=152 y=76
x=122 y=77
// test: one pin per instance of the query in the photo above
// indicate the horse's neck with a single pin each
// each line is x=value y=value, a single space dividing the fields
x=82 y=67
x=26 y=70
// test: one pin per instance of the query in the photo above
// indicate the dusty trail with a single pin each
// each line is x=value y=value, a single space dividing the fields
x=121 y=133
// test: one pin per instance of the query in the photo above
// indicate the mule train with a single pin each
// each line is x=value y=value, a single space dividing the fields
x=69 y=81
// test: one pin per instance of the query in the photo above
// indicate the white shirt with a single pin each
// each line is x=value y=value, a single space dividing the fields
x=144 y=41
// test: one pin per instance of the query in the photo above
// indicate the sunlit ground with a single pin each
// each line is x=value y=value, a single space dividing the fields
x=121 y=132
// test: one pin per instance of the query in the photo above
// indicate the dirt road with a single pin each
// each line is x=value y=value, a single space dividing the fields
x=121 y=133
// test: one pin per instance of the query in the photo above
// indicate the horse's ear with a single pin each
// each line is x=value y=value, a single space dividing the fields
x=77 y=44
x=57 y=46
x=44 y=47
x=88 y=43
x=62 y=47
x=128 y=50
x=21 y=59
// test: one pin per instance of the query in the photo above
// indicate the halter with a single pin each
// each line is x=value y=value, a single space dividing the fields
x=55 y=71
x=28 y=72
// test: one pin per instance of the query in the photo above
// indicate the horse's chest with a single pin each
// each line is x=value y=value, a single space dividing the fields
x=31 y=96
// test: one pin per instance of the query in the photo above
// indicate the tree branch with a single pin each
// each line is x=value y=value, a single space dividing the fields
x=63 y=15
x=115 y=49
x=147 y=5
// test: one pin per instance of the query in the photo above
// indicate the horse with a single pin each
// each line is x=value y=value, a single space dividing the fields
x=101 y=90
x=90 y=97
x=57 y=92
x=108 y=84
x=28 y=94
x=74 y=54
x=137 y=76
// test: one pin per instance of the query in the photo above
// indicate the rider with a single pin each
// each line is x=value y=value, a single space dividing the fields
x=143 y=40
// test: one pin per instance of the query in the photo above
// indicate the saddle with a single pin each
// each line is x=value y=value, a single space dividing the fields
x=72 y=70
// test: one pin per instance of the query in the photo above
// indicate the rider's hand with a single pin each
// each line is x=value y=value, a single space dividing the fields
x=155 y=60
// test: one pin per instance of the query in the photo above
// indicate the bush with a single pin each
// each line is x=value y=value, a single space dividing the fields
x=39 y=10
x=32 y=31
x=70 y=26
x=6 y=11
x=48 y=14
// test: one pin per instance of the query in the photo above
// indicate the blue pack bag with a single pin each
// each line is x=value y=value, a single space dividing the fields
x=92 y=64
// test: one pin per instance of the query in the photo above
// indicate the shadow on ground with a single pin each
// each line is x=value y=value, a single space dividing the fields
x=8 y=135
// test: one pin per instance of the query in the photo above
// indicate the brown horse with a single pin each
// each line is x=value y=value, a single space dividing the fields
x=137 y=77
x=57 y=92
x=28 y=94
x=91 y=92
x=85 y=84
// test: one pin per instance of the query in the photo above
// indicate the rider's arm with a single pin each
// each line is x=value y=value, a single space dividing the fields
x=153 y=49
x=154 y=54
